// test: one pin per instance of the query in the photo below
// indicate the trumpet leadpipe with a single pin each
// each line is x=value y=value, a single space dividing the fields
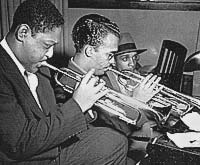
x=126 y=76
x=139 y=80
x=78 y=77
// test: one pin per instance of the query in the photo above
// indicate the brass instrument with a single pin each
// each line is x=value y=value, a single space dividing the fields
x=122 y=106
x=180 y=103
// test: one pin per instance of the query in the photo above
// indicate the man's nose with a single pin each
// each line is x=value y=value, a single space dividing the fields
x=131 y=62
x=49 y=53
x=112 y=61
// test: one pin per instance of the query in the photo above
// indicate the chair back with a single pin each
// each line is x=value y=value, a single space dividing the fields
x=170 y=63
x=190 y=83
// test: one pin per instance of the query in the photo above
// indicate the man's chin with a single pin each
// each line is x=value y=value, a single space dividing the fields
x=36 y=67
x=99 y=72
x=33 y=69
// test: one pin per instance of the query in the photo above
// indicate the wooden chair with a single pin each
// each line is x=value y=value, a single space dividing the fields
x=170 y=64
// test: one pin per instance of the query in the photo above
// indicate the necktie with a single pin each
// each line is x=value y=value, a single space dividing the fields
x=32 y=81
x=124 y=86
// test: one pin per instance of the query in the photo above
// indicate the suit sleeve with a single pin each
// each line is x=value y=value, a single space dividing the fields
x=24 y=133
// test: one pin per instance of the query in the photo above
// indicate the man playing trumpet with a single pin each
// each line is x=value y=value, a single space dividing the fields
x=33 y=127
x=96 y=40
x=126 y=60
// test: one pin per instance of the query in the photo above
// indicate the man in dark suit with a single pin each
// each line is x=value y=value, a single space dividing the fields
x=96 y=40
x=33 y=129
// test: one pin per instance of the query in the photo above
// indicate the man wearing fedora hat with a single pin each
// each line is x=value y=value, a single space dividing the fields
x=126 y=60
x=127 y=56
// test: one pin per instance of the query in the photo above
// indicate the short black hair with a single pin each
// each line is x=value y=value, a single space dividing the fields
x=40 y=15
x=91 y=29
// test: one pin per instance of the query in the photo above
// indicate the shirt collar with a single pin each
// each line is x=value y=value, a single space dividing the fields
x=78 y=67
x=5 y=45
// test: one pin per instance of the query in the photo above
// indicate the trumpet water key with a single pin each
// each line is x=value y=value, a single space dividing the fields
x=124 y=107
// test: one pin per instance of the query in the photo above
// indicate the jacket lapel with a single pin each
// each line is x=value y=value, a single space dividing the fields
x=22 y=90
x=45 y=91
x=113 y=80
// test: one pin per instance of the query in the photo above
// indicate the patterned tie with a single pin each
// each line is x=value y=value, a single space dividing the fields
x=32 y=81
x=124 y=86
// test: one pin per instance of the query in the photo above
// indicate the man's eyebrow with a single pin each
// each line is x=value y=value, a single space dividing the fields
x=51 y=42
x=124 y=55
x=54 y=43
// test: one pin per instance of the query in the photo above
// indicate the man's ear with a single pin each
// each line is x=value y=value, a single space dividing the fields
x=22 y=32
x=89 y=50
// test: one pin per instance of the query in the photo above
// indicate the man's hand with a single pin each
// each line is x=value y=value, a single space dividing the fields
x=146 y=90
x=89 y=91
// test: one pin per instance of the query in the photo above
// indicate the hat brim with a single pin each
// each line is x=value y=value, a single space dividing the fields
x=139 y=51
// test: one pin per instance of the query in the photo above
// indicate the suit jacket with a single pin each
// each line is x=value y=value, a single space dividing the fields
x=104 y=118
x=26 y=132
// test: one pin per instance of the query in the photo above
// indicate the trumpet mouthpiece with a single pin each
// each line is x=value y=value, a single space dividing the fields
x=44 y=63
x=109 y=68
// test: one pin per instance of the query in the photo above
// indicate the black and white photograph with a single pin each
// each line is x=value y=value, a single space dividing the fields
x=99 y=82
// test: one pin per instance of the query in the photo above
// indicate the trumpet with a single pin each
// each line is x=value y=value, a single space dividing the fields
x=124 y=107
x=180 y=103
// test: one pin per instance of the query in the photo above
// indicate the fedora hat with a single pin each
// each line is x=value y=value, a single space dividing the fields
x=127 y=44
